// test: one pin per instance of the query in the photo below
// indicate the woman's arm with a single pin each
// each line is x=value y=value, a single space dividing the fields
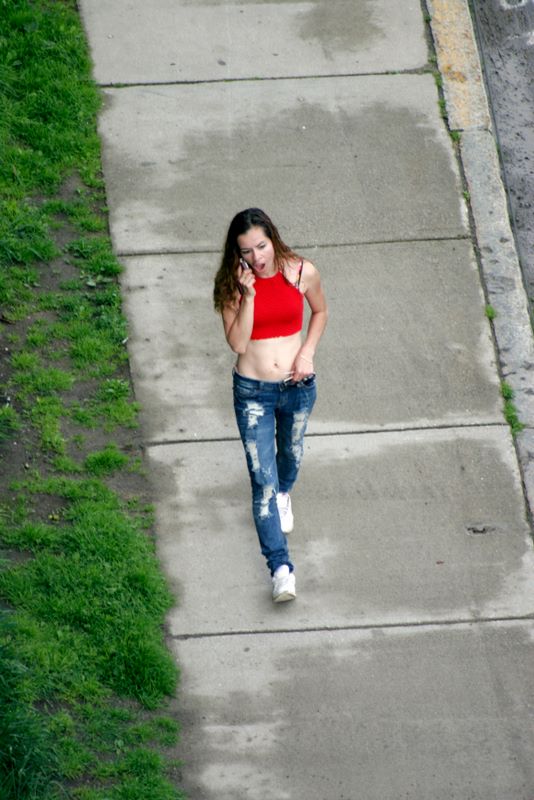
x=313 y=292
x=238 y=316
x=238 y=320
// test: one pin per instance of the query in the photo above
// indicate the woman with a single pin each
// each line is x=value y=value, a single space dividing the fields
x=259 y=290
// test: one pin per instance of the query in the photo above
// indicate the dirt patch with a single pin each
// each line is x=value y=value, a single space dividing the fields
x=22 y=455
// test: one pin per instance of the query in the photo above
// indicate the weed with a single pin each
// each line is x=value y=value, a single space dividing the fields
x=506 y=391
x=114 y=389
x=510 y=411
x=490 y=312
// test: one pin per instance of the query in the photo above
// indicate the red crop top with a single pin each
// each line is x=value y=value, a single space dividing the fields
x=278 y=308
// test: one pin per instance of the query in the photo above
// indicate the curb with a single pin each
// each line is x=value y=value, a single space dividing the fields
x=468 y=114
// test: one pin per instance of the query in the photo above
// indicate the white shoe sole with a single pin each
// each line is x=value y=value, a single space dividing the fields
x=284 y=597
x=284 y=586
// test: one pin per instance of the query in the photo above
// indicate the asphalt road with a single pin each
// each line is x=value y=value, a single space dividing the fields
x=505 y=32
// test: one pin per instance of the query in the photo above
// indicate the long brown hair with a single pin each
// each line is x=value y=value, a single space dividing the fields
x=226 y=284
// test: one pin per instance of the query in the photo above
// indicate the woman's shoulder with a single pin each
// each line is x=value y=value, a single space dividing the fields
x=298 y=270
x=308 y=268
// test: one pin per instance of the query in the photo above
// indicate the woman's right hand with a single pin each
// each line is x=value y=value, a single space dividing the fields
x=246 y=279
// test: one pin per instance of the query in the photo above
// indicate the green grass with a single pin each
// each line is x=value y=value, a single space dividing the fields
x=28 y=759
x=510 y=411
x=78 y=212
x=85 y=676
x=78 y=584
x=105 y=461
x=48 y=102
x=9 y=423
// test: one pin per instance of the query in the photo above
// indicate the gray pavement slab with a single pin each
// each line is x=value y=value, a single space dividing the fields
x=333 y=160
x=408 y=344
x=390 y=528
x=167 y=41
x=442 y=712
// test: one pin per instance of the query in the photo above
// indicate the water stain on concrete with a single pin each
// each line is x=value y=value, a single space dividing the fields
x=310 y=149
x=428 y=492
x=314 y=715
x=350 y=29
x=337 y=25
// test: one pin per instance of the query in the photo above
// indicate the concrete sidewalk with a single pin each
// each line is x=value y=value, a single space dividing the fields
x=404 y=668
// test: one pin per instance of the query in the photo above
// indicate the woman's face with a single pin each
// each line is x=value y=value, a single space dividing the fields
x=258 y=251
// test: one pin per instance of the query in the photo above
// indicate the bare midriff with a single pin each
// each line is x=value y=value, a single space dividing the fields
x=269 y=359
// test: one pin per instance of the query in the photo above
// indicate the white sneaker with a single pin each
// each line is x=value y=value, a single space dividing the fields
x=283 y=585
x=283 y=501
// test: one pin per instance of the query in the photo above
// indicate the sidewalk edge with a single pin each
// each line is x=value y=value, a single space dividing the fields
x=468 y=113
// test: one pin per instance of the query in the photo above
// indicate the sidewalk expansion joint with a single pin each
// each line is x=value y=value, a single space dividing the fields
x=266 y=78
x=324 y=246
x=319 y=435
x=460 y=621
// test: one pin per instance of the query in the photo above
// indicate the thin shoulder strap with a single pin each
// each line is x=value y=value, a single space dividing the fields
x=300 y=273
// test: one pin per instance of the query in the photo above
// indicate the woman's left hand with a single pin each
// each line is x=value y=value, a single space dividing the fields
x=302 y=367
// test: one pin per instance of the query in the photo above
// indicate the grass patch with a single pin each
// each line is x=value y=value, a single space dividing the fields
x=9 y=423
x=105 y=461
x=77 y=212
x=79 y=581
x=510 y=411
x=85 y=675
x=28 y=760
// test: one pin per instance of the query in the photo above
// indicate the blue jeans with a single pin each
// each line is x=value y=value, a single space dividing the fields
x=272 y=420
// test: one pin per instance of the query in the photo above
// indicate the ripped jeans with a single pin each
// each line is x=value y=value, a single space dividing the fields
x=272 y=420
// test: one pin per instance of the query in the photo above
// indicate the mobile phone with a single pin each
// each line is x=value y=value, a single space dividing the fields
x=243 y=264
x=307 y=381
